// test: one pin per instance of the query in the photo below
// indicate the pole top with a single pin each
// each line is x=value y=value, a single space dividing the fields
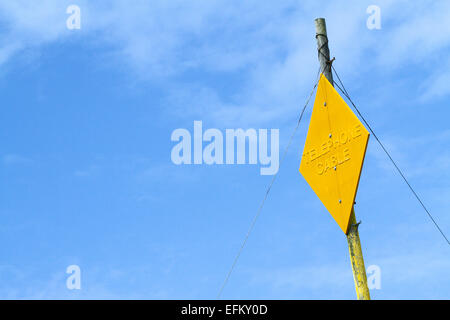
x=321 y=26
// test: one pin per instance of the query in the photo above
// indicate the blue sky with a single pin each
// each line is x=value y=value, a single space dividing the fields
x=87 y=178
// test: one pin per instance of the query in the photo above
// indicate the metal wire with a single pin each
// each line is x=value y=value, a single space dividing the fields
x=344 y=92
x=255 y=218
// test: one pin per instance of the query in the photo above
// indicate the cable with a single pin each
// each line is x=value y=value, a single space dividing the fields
x=255 y=218
x=344 y=91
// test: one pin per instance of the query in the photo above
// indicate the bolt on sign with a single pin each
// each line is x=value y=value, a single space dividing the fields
x=334 y=153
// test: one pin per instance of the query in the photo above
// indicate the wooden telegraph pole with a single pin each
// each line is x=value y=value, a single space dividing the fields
x=354 y=244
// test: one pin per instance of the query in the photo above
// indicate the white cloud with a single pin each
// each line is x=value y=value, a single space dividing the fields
x=269 y=48
x=409 y=154
x=29 y=24
x=418 y=268
x=13 y=159
x=306 y=277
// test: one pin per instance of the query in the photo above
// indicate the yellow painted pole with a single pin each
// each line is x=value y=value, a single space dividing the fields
x=354 y=244
x=357 y=260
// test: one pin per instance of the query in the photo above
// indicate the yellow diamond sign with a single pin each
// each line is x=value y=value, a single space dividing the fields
x=334 y=153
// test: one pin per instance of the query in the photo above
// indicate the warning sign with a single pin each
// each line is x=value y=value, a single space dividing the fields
x=334 y=152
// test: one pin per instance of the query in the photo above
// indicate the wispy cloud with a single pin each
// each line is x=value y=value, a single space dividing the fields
x=273 y=45
x=335 y=280
x=15 y=159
